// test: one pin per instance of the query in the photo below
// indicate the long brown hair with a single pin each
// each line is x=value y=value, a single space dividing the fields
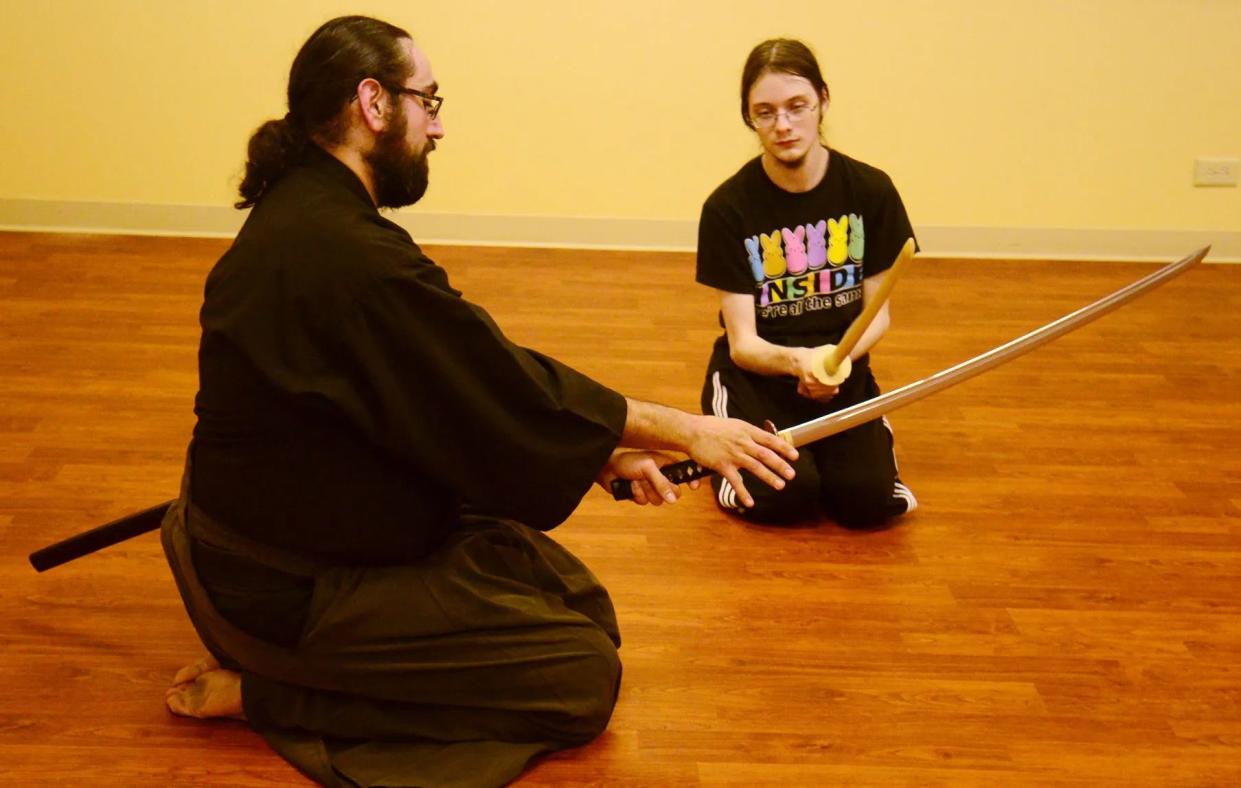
x=782 y=55
x=326 y=72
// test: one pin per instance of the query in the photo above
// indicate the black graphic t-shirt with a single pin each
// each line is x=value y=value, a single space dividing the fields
x=802 y=256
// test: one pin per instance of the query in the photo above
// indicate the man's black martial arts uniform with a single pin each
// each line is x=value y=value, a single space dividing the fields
x=359 y=527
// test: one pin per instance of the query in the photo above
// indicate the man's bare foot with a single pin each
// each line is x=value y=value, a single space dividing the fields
x=191 y=672
x=205 y=690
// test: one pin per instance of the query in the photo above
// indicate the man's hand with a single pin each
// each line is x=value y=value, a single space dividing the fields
x=727 y=446
x=808 y=384
x=641 y=468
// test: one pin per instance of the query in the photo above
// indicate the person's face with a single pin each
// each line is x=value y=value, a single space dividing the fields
x=785 y=110
x=399 y=159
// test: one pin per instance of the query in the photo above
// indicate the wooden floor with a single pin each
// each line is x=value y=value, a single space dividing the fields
x=1064 y=608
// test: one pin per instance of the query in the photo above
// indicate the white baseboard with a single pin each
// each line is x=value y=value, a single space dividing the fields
x=113 y=218
x=1056 y=243
x=612 y=233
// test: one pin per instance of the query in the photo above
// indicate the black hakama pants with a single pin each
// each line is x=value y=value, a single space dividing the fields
x=454 y=671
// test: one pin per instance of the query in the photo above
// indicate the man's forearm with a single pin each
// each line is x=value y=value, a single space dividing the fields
x=649 y=425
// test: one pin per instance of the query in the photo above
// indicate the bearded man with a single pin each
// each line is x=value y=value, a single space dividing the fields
x=359 y=538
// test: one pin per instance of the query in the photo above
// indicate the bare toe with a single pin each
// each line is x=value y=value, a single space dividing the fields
x=215 y=693
x=191 y=672
x=176 y=701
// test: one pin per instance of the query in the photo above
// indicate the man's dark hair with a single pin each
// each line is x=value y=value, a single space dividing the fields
x=782 y=55
x=324 y=77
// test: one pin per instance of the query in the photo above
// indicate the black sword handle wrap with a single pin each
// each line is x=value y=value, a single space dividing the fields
x=677 y=473
x=96 y=539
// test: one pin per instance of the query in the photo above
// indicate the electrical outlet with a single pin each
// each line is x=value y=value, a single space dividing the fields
x=1216 y=171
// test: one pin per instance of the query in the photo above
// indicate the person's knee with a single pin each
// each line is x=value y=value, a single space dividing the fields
x=799 y=500
x=600 y=699
x=796 y=501
x=586 y=699
x=863 y=504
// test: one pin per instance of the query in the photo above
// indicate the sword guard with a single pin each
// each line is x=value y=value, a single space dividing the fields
x=784 y=434
x=825 y=371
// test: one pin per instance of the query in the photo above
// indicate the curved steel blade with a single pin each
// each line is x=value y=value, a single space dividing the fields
x=841 y=420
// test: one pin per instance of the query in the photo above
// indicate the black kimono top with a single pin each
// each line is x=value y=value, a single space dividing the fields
x=351 y=401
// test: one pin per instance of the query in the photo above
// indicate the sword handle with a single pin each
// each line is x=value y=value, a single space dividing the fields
x=686 y=470
x=677 y=473
x=98 y=538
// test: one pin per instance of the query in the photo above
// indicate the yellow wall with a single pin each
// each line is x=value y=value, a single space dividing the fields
x=1018 y=113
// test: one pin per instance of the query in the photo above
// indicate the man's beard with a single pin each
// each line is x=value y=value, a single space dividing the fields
x=791 y=164
x=400 y=174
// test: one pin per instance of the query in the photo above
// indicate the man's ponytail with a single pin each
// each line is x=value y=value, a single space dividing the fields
x=275 y=148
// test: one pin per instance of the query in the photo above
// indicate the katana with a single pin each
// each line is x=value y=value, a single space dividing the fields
x=841 y=420
x=149 y=519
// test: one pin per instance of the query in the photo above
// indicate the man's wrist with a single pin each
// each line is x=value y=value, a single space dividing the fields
x=652 y=426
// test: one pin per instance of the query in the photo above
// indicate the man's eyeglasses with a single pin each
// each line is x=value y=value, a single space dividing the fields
x=765 y=118
x=430 y=103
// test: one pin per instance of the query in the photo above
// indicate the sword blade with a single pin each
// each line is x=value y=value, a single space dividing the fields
x=841 y=420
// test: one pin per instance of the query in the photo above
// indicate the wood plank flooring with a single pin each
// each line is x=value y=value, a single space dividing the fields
x=1064 y=608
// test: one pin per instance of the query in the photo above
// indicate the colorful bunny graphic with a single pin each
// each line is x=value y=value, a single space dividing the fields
x=857 y=238
x=773 y=255
x=838 y=240
x=817 y=233
x=795 y=249
x=756 y=258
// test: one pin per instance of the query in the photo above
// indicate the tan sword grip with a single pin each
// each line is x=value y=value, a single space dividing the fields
x=839 y=353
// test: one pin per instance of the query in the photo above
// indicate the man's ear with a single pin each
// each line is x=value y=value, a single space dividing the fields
x=374 y=103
